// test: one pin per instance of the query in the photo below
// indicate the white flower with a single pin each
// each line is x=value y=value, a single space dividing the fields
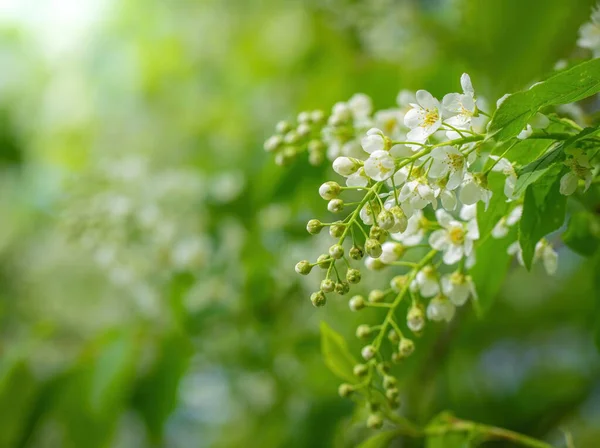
x=448 y=199
x=580 y=169
x=543 y=251
x=502 y=227
x=472 y=191
x=361 y=106
x=405 y=98
x=505 y=167
x=525 y=133
x=424 y=118
x=426 y=282
x=414 y=232
x=380 y=166
x=366 y=213
x=468 y=212
x=448 y=160
x=440 y=308
x=458 y=287
x=358 y=179
x=373 y=141
x=391 y=251
x=353 y=149
x=589 y=34
x=455 y=239
x=345 y=166
x=460 y=107
x=390 y=121
x=415 y=195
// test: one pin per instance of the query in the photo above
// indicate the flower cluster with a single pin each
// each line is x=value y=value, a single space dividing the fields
x=589 y=33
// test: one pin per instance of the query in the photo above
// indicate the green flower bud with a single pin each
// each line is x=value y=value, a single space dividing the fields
x=303 y=117
x=283 y=127
x=396 y=358
x=375 y=421
x=316 y=158
x=342 y=288
x=363 y=331
x=406 y=347
x=336 y=251
x=345 y=390
x=324 y=261
x=356 y=253
x=314 y=226
x=378 y=233
x=392 y=393
x=384 y=367
x=303 y=130
x=376 y=296
x=353 y=276
x=357 y=303
x=385 y=220
x=335 y=205
x=393 y=336
x=360 y=370
x=367 y=352
x=291 y=138
x=318 y=299
x=400 y=220
x=389 y=382
x=337 y=230
x=373 y=248
x=273 y=143
x=316 y=146
x=317 y=116
x=303 y=267
x=330 y=190
x=415 y=320
x=327 y=285
x=399 y=282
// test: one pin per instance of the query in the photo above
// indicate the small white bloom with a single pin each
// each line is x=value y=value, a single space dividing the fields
x=361 y=106
x=373 y=141
x=460 y=107
x=502 y=227
x=543 y=251
x=426 y=282
x=455 y=239
x=414 y=232
x=589 y=33
x=391 y=251
x=525 y=133
x=405 y=98
x=416 y=194
x=448 y=199
x=504 y=166
x=345 y=166
x=380 y=166
x=390 y=122
x=580 y=169
x=424 y=118
x=368 y=212
x=358 y=179
x=472 y=191
x=447 y=160
x=440 y=308
x=458 y=287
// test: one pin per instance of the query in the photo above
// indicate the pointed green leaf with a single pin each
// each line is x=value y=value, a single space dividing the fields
x=336 y=354
x=567 y=86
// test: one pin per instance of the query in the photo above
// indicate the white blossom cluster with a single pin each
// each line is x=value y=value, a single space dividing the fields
x=589 y=33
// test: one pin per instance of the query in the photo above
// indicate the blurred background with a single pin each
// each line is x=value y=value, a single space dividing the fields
x=147 y=243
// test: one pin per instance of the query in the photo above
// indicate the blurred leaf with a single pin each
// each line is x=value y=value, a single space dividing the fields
x=380 y=440
x=543 y=212
x=155 y=396
x=17 y=393
x=336 y=354
x=487 y=219
x=583 y=233
x=568 y=86
x=533 y=171
x=449 y=439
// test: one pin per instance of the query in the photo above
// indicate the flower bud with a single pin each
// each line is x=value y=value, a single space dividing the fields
x=345 y=166
x=379 y=234
x=283 y=127
x=396 y=358
x=314 y=226
x=303 y=267
x=389 y=382
x=353 y=276
x=363 y=331
x=400 y=220
x=356 y=253
x=291 y=138
x=373 y=248
x=342 y=288
x=318 y=299
x=360 y=370
x=392 y=393
x=406 y=347
x=327 y=285
x=376 y=296
x=316 y=158
x=317 y=116
x=273 y=143
x=384 y=368
x=385 y=220
x=393 y=336
x=356 y=303
x=316 y=146
x=335 y=205
x=374 y=421
x=337 y=230
x=399 y=282
x=367 y=352
x=391 y=252
x=324 y=261
x=303 y=130
x=303 y=117
x=374 y=264
x=336 y=251
x=330 y=190
x=415 y=319
x=345 y=390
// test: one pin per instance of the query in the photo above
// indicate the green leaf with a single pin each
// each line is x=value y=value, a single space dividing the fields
x=380 y=440
x=543 y=211
x=448 y=439
x=493 y=262
x=18 y=389
x=336 y=354
x=498 y=207
x=567 y=86
x=536 y=169
x=583 y=233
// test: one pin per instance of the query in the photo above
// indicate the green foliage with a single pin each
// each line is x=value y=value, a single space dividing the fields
x=543 y=211
x=487 y=217
x=570 y=85
x=583 y=233
x=380 y=440
x=447 y=439
x=336 y=354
